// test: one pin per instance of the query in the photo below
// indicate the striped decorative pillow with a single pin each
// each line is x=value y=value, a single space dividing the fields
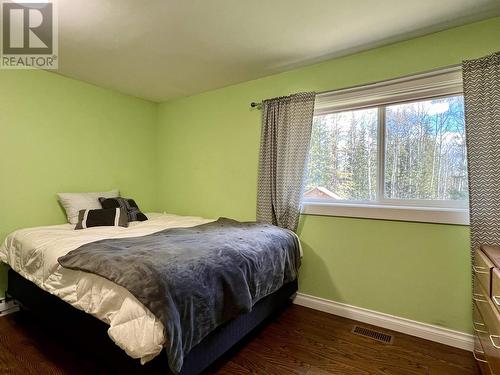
x=109 y=217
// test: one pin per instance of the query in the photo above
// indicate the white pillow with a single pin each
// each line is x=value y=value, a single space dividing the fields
x=74 y=202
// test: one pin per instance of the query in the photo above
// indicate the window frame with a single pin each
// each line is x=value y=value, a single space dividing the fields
x=431 y=85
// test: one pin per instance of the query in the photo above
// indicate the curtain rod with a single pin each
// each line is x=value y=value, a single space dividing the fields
x=444 y=68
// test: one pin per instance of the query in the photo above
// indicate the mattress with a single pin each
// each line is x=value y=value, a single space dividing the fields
x=33 y=253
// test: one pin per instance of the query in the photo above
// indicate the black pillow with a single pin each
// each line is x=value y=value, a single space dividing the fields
x=111 y=217
x=133 y=211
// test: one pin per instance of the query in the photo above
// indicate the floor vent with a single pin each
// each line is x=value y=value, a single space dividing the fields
x=375 y=335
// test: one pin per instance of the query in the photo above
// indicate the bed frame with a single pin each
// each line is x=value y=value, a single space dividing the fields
x=89 y=335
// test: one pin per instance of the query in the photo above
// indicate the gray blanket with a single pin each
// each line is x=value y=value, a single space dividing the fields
x=194 y=279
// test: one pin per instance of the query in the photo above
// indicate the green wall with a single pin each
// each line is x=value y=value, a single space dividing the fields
x=58 y=134
x=208 y=152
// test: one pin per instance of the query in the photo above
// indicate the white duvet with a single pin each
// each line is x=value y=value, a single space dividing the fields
x=33 y=253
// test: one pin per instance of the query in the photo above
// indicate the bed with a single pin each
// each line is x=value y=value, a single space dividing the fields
x=37 y=280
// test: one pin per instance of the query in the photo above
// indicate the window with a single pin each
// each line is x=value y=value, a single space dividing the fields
x=343 y=158
x=394 y=151
x=425 y=151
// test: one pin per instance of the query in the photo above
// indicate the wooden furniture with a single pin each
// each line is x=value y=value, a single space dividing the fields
x=486 y=313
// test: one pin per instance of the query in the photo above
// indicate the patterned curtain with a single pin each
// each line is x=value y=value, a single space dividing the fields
x=482 y=116
x=284 y=148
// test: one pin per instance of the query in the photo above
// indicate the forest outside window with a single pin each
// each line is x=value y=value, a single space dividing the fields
x=391 y=151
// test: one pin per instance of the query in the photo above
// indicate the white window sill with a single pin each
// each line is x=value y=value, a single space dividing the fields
x=439 y=215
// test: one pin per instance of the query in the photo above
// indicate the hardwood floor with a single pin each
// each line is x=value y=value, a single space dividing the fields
x=299 y=341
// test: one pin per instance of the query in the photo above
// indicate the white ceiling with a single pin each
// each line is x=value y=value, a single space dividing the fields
x=162 y=49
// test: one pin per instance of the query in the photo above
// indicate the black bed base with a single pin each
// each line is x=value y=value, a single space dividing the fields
x=89 y=335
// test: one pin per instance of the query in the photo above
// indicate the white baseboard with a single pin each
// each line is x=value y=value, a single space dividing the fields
x=8 y=307
x=410 y=327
